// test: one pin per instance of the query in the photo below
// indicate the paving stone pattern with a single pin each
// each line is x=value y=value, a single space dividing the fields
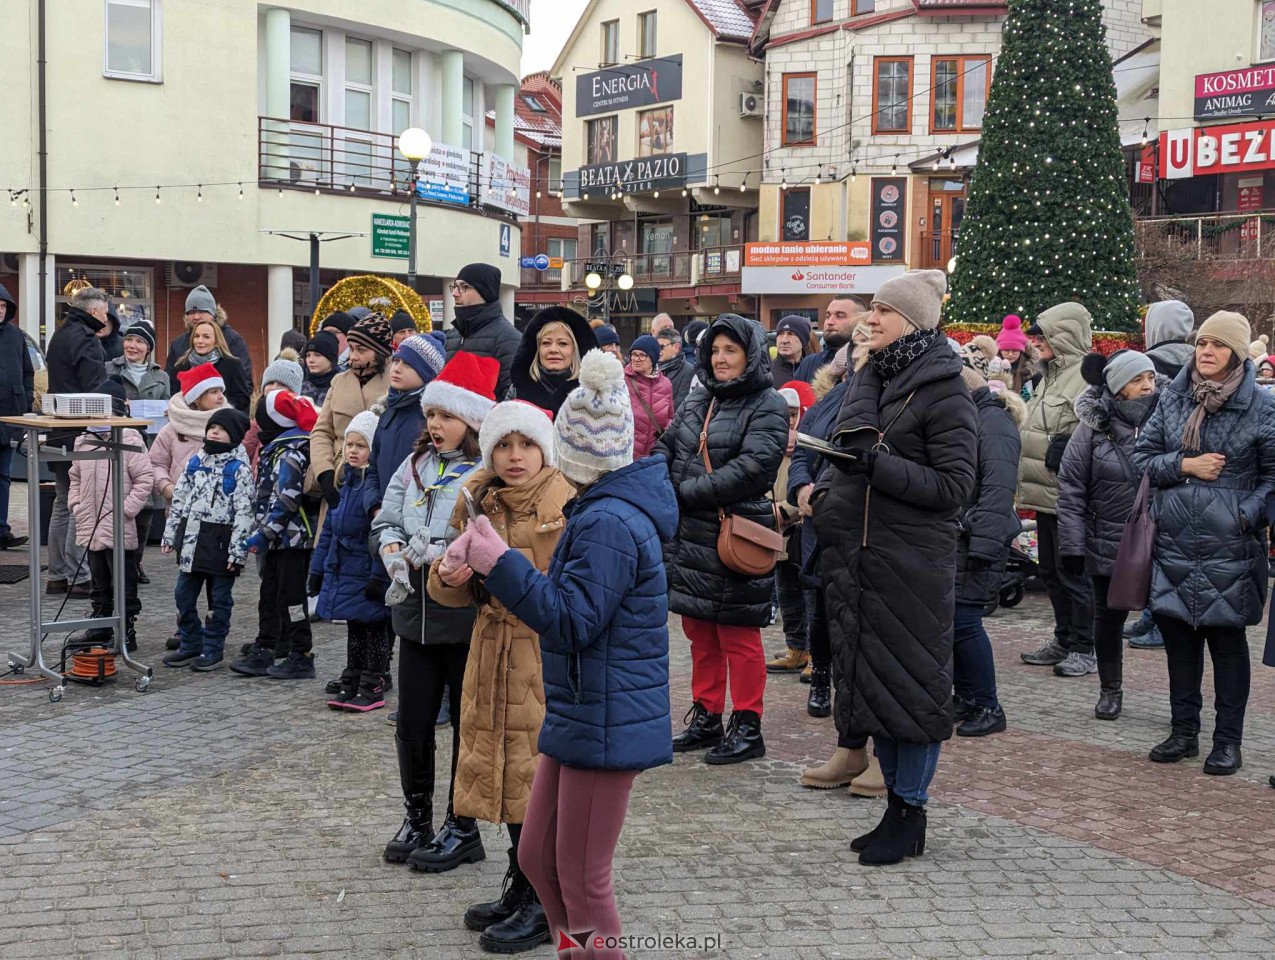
x=216 y=816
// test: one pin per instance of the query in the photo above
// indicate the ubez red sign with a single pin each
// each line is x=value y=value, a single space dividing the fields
x=1233 y=148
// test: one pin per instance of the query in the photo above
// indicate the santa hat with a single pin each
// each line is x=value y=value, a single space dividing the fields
x=465 y=388
x=288 y=410
x=798 y=394
x=517 y=416
x=197 y=381
x=364 y=424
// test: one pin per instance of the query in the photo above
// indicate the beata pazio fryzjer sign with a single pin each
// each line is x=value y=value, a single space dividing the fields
x=628 y=85
x=639 y=175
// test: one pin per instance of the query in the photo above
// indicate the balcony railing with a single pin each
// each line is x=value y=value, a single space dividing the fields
x=1223 y=236
x=325 y=158
x=674 y=269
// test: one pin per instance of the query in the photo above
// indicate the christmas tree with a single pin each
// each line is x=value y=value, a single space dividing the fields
x=1049 y=217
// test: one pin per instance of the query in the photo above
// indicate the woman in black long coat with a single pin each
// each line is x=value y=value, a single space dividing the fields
x=1210 y=451
x=723 y=611
x=208 y=345
x=887 y=524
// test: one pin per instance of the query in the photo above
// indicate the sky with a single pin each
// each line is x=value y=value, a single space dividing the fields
x=551 y=23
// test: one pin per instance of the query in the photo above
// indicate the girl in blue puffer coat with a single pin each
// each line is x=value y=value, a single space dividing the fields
x=349 y=580
x=602 y=616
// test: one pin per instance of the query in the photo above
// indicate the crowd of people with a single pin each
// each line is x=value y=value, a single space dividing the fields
x=520 y=513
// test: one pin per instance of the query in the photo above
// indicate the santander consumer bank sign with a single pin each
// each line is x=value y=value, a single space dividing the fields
x=816 y=280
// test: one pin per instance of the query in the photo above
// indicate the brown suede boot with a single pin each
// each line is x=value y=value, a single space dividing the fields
x=845 y=765
x=869 y=783
x=792 y=661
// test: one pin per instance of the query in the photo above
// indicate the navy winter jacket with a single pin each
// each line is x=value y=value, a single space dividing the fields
x=342 y=558
x=285 y=515
x=602 y=616
x=400 y=427
x=806 y=468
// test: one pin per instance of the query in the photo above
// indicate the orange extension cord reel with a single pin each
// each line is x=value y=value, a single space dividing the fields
x=94 y=665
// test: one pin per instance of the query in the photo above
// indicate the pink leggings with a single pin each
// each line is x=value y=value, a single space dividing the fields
x=568 y=840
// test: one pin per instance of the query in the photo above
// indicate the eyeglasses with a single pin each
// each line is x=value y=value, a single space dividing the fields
x=458 y=287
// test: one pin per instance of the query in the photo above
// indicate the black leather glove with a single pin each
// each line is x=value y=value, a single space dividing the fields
x=327 y=483
x=1074 y=566
x=314 y=585
x=375 y=590
x=860 y=466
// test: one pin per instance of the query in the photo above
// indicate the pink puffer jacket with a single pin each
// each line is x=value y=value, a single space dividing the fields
x=657 y=392
x=179 y=440
x=91 y=493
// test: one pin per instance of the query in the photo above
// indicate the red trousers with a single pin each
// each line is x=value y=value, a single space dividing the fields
x=717 y=650
x=573 y=823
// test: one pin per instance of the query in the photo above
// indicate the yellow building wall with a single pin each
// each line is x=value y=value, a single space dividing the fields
x=1200 y=38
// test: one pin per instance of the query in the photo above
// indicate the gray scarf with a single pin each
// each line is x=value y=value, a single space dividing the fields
x=212 y=357
x=1209 y=396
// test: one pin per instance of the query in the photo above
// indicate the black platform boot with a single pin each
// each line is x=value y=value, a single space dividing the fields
x=416 y=774
x=526 y=929
x=480 y=916
x=457 y=842
x=742 y=741
x=819 y=703
x=703 y=729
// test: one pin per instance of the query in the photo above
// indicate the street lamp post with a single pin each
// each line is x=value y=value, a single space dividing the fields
x=594 y=281
x=414 y=144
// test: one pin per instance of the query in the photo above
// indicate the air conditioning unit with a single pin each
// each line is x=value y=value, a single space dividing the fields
x=304 y=171
x=190 y=273
x=751 y=105
x=8 y=263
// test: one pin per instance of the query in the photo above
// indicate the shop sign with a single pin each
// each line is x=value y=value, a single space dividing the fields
x=816 y=280
x=1235 y=93
x=889 y=218
x=391 y=236
x=1252 y=196
x=816 y=253
x=638 y=302
x=1235 y=148
x=505 y=186
x=628 y=85
x=1146 y=165
x=443 y=176
x=641 y=175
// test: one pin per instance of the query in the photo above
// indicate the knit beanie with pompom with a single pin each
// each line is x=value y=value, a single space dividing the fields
x=593 y=433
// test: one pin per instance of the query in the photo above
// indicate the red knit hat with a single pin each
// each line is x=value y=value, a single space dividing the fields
x=465 y=388
x=288 y=410
x=199 y=380
x=805 y=395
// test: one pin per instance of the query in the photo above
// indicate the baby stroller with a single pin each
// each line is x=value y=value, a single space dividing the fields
x=1021 y=571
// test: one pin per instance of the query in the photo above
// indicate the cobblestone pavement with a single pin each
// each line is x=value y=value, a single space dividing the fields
x=221 y=817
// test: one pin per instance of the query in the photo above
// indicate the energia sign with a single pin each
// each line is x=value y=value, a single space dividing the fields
x=1234 y=148
x=627 y=85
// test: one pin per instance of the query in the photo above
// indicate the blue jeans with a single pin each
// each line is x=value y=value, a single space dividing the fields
x=907 y=768
x=6 y=464
x=196 y=635
x=974 y=668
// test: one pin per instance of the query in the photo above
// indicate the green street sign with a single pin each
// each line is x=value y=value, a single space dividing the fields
x=391 y=236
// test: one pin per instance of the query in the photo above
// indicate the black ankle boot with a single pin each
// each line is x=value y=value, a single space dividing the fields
x=1179 y=746
x=457 y=842
x=416 y=773
x=984 y=721
x=347 y=688
x=526 y=929
x=742 y=741
x=1110 y=702
x=1223 y=760
x=819 y=703
x=480 y=916
x=901 y=834
x=860 y=843
x=703 y=729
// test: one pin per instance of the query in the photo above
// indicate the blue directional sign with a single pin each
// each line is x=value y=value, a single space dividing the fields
x=541 y=261
x=528 y=263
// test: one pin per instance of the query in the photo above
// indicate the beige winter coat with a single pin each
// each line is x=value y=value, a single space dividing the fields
x=1051 y=412
x=346 y=399
x=502 y=703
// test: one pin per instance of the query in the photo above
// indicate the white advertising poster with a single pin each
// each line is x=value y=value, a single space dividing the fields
x=768 y=280
x=505 y=186
x=443 y=176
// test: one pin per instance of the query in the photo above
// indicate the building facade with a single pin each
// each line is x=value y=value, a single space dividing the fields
x=662 y=127
x=873 y=114
x=190 y=143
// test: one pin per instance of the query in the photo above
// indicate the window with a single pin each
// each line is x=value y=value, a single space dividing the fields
x=358 y=83
x=820 y=11
x=133 y=44
x=960 y=86
x=646 y=34
x=467 y=108
x=401 y=90
x=799 y=109
x=655 y=131
x=892 y=95
x=555 y=175
x=534 y=104
x=1266 y=30
x=554 y=247
x=307 y=74
x=600 y=140
x=610 y=42
x=860 y=7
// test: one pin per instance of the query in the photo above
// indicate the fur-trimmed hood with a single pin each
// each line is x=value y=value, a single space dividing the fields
x=824 y=381
x=1015 y=404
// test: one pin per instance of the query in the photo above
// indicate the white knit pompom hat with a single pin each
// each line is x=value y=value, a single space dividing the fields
x=364 y=424
x=594 y=429
x=517 y=416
